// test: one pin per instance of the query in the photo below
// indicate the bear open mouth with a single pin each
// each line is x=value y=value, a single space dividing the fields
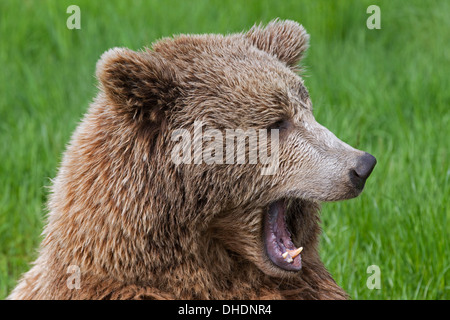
x=277 y=239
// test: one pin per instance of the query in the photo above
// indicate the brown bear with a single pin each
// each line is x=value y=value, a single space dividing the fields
x=128 y=222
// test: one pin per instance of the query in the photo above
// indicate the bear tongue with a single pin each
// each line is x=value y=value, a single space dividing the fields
x=278 y=243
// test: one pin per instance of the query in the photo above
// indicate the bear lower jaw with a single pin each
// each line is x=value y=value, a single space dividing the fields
x=278 y=244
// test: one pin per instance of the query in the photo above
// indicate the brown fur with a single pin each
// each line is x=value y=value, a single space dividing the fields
x=140 y=227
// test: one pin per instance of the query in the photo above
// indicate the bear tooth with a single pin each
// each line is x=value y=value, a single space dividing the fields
x=286 y=256
x=294 y=253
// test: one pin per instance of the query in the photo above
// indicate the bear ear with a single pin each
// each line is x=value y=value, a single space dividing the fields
x=140 y=84
x=287 y=40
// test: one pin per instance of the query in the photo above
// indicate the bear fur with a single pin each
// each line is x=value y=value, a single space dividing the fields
x=137 y=226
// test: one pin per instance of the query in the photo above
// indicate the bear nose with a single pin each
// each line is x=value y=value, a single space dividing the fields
x=365 y=165
x=362 y=170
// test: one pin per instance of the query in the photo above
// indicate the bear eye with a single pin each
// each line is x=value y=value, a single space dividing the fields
x=281 y=125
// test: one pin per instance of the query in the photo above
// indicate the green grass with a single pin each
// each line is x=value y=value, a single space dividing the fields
x=384 y=91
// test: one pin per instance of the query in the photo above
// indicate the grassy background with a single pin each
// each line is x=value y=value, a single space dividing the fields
x=384 y=91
